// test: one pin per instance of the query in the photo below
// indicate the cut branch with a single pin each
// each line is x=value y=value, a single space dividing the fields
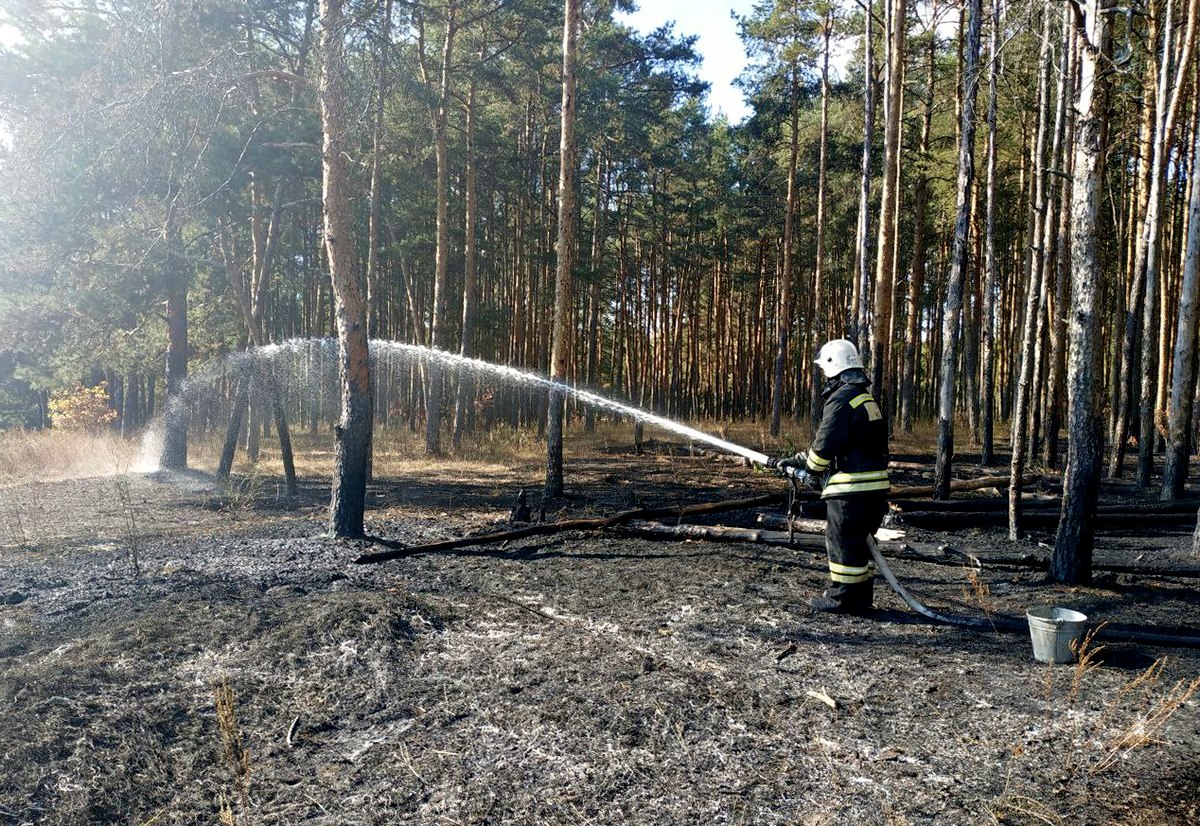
x=586 y=524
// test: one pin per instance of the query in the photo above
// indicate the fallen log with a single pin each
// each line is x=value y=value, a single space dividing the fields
x=1039 y=519
x=915 y=491
x=639 y=522
x=927 y=552
x=813 y=537
x=720 y=533
x=1031 y=503
x=586 y=524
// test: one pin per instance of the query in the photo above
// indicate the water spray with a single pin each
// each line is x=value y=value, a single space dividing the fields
x=456 y=361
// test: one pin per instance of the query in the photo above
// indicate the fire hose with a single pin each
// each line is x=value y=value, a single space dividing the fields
x=796 y=476
x=990 y=623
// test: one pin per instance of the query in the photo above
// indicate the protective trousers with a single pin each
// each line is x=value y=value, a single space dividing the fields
x=851 y=519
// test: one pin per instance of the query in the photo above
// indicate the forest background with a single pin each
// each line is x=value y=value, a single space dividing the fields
x=998 y=203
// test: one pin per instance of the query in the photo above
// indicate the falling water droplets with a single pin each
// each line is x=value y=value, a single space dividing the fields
x=306 y=368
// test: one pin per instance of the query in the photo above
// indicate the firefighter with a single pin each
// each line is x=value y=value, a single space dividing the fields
x=848 y=463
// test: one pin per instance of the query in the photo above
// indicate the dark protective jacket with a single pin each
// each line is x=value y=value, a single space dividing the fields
x=851 y=441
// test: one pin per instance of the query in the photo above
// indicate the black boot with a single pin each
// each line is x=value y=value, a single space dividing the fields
x=826 y=604
x=860 y=598
x=845 y=599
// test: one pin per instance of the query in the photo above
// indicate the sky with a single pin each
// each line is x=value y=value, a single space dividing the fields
x=719 y=44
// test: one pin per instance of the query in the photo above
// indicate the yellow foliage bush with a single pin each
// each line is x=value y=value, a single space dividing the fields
x=82 y=408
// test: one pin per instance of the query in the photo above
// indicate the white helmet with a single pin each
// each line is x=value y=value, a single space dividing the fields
x=837 y=356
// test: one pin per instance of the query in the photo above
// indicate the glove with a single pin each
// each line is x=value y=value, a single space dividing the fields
x=782 y=465
x=812 y=480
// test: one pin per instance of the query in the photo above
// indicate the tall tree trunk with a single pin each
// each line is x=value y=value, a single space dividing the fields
x=374 y=215
x=594 y=355
x=560 y=354
x=175 y=436
x=1151 y=312
x=958 y=263
x=1022 y=402
x=1125 y=361
x=920 y=255
x=858 y=312
x=130 y=408
x=885 y=261
x=1048 y=242
x=439 y=116
x=783 y=313
x=819 y=313
x=988 y=323
x=463 y=419
x=1183 y=378
x=1055 y=387
x=1072 y=558
x=353 y=431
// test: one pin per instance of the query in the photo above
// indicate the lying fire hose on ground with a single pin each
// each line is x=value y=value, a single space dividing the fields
x=795 y=477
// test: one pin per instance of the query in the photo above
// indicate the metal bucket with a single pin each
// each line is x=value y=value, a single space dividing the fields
x=1053 y=630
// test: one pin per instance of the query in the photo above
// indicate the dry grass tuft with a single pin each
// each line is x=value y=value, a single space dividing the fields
x=46 y=455
x=1143 y=728
x=979 y=593
x=237 y=756
x=241 y=494
x=1024 y=807
x=1086 y=654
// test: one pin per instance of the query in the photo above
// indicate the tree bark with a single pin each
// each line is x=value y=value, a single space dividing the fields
x=1135 y=277
x=1072 y=558
x=885 y=261
x=463 y=418
x=916 y=277
x=439 y=116
x=1183 y=378
x=1147 y=424
x=175 y=436
x=988 y=322
x=353 y=431
x=1022 y=402
x=783 y=318
x=958 y=264
x=560 y=354
x=819 y=313
x=862 y=254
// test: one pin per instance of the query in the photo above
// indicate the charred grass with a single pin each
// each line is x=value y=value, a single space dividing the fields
x=253 y=674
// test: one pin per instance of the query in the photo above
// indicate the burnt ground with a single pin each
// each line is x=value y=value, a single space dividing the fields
x=174 y=651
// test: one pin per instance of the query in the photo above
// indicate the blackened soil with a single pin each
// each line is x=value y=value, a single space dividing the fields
x=174 y=651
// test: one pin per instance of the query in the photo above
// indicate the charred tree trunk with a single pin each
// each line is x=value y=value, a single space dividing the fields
x=353 y=431
x=988 y=323
x=958 y=265
x=175 y=436
x=1072 y=558
x=1183 y=379
x=560 y=355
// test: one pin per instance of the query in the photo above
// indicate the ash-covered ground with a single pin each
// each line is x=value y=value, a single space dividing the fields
x=176 y=651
